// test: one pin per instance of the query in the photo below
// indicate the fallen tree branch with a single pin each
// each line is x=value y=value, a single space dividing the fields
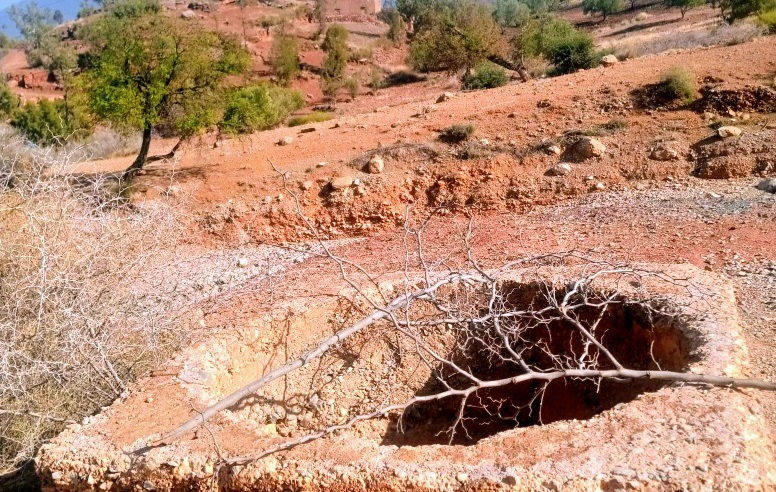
x=322 y=348
x=690 y=378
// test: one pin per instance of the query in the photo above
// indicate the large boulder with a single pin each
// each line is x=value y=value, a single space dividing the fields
x=587 y=147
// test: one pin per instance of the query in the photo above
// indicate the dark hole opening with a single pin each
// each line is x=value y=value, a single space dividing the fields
x=639 y=336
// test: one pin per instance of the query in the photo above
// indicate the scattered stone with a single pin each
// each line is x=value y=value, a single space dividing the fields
x=188 y=14
x=665 y=151
x=729 y=131
x=624 y=472
x=462 y=477
x=341 y=183
x=307 y=130
x=307 y=185
x=560 y=169
x=242 y=262
x=544 y=103
x=322 y=164
x=588 y=147
x=375 y=165
x=510 y=480
x=445 y=96
x=768 y=185
x=553 y=150
x=56 y=476
x=512 y=115
x=287 y=140
x=609 y=60
x=642 y=16
x=149 y=485
x=484 y=142
x=430 y=108
x=600 y=186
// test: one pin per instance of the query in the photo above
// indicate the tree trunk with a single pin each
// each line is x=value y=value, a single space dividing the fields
x=140 y=160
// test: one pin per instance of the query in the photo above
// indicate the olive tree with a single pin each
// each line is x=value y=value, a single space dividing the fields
x=150 y=69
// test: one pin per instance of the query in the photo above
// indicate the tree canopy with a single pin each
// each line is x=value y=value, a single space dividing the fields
x=149 y=69
x=453 y=35
x=603 y=7
x=32 y=21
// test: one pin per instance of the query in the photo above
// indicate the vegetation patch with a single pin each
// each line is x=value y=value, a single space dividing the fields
x=314 y=117
x=486 y=75
x=456 y=133
x=258 y=107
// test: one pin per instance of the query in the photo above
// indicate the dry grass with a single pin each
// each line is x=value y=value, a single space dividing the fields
x=720 y=34
x=86 y=304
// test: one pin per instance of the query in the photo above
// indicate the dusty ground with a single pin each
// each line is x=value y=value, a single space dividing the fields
x=644 y=210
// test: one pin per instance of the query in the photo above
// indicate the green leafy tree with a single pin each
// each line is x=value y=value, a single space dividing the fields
x=684 y=5
x=32 y=21
x=455 y=35
x=284 y=58
x=511 y=13
x=733 y=10
x=151 y=70
x=603 y=7
x=335 y=44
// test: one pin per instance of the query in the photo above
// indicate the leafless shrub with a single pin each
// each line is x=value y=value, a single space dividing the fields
x=85 y=301
x=720 y=34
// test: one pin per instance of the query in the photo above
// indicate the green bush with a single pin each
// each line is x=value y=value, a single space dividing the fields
x=572 y=53
x=284 y=58
x=8 y=101
x=314 y=117
x=677 y=83
x=258 y=107
x=52 y=123
x=485 y=76
x=768 y=19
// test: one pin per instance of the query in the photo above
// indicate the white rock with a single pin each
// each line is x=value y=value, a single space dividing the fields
x=341 y=183
x=242 y=262
x=188 y=14
x=589 y=147
x=376 y=165
x=287 y=140
x=560 y=169
x=728 y=131
x=609 y=60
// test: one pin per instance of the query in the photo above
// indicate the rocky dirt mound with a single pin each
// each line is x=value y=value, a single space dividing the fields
x=757 y=99
x=751 y=153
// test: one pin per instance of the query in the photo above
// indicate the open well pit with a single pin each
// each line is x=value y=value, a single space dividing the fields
x=639 y=335
x=591 y=432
